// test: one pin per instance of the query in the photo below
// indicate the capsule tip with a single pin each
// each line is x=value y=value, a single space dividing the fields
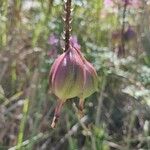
x=53 y=124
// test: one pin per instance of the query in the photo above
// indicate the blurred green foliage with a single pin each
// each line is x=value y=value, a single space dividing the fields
x=116 y=117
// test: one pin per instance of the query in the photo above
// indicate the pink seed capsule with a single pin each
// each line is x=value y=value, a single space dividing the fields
x=67 y=75
x=71 y=76
x=66 y=79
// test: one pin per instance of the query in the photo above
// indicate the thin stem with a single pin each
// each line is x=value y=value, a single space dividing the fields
x=57 y=113
x=67 y=23
x=123 y=28
x=131 y=124
x=100 y=101
x=81 y=104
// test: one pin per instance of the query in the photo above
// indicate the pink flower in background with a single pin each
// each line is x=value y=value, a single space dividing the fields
x=136 y=3
x=53 y=40
x=74 y=42
x=131 y=3
x=127 y=2
x=108 y=3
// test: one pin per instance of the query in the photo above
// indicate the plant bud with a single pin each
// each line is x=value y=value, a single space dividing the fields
x=67 y=75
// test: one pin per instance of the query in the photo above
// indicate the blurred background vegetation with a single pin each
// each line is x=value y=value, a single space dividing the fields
x=115 y=38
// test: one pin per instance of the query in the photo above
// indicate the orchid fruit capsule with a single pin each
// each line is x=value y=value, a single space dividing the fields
x=66 y=78
x=67 y=75
x=71 y=76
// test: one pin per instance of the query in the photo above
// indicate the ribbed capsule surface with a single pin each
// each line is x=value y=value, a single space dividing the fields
x=67 y=75
x=90 y=84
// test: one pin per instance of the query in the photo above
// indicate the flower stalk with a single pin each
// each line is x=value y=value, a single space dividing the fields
x=57 y=113
x=67 y=22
